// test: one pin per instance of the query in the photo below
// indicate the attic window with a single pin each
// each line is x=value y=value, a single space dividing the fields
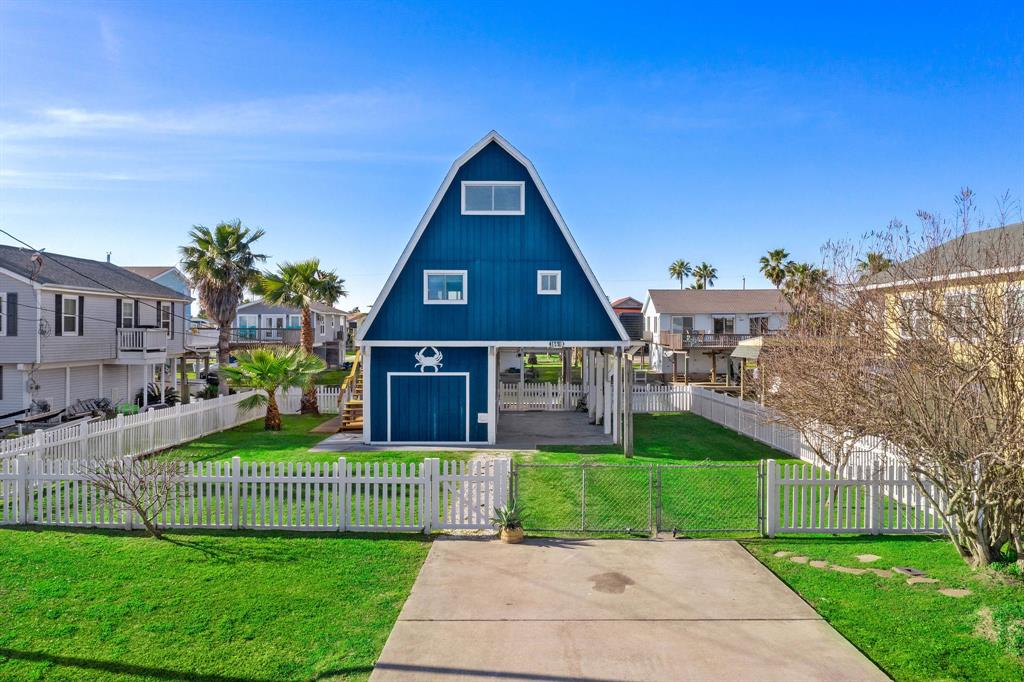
x=493 y=198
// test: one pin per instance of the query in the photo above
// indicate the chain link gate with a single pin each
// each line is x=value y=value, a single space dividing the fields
x=703 y=498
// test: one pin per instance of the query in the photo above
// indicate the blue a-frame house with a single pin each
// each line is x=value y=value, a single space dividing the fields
x=490 y=266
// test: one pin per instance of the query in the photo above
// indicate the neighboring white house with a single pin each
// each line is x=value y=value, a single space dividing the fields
x=692 y=331
x=259 y=322
x=73 y=328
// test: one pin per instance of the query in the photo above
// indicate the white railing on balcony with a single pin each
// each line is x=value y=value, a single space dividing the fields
x=141 y=341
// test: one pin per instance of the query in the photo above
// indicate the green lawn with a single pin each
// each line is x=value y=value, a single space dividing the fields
x=911 y=631
x=219 y=606
x=330 y=377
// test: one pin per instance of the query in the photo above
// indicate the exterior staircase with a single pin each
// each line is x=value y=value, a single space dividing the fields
x=352 y=397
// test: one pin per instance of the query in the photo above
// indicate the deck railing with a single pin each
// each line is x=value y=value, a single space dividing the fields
x=684 y=340
x=141 y=340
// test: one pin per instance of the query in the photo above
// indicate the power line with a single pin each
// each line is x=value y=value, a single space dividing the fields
x=91 y=279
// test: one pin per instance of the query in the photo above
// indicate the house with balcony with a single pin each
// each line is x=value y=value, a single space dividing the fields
x=260 y=323
x=73 y=328
x=692 y=332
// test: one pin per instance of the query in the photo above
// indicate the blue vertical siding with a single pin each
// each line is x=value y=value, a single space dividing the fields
x=445 y=403
x=502 y=255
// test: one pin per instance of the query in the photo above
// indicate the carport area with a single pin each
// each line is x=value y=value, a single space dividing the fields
x=530 y=430
x=609 y=610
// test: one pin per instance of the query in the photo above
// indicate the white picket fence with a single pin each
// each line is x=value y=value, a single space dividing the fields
x=546 y=396
x=802 y=498
x=761 y=423
x=152 y=430
x=337 y=496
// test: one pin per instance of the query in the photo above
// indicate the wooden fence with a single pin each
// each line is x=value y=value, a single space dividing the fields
x=336 y=496
x=152 y=430
x=802 y=498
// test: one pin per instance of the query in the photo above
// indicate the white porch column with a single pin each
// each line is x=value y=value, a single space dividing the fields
x=174 y=372
x=616 y=368
x=492 y=395
x=367 y=405
x=163 y=382
x=99 y=378
x=147 y=374
x=67 y=387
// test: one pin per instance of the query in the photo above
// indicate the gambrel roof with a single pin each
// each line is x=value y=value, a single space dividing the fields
x=495 y=138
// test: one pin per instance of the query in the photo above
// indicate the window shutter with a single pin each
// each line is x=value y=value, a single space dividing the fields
x=58 y=308
x=135 y=322
x=81 y=315
x=12 y=317
x=117 y=313
x=1 y=382
x=172 y=318
x=159 y=314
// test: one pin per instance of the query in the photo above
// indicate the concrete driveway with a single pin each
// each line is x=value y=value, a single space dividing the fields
x=609 y=610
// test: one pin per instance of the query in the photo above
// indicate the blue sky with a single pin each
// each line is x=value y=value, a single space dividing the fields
x=668 y=132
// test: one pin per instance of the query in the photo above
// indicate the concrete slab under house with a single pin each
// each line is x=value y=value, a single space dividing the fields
x=490 y=275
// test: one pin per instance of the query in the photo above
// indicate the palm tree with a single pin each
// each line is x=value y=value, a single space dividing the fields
x=873 y=263
x=773 y=266
x=220 y=264
x=680 y=270
x=803 y=280
x=267 y=369
x=300 y=285
x=705 y=276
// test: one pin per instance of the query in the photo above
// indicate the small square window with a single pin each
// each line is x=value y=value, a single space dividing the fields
x=549 y=282
x=444 y=287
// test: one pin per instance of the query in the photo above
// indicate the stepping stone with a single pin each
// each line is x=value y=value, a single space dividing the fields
x=880 y=572
x=954 y=592
x=819 y=564
x=799 y=559
x=867 y=558
x=919 y=579
x=781 y=554
x=851 y=571
x=907 y=570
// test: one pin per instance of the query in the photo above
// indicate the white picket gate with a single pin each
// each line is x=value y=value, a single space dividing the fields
x=336 y=496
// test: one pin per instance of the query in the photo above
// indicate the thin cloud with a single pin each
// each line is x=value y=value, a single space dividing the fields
x=330 y=113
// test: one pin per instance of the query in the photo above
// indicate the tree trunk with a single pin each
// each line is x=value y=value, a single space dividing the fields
x=309 y=403
x=223 y=353
x=272 y=422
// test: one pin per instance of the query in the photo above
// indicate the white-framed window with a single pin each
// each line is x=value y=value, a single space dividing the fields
x=549 y=282
x=323 y=321
x=3 y=314
x=127 y=314
x=444 y=287
x=964 y=313
x=758 y=324
x=69 y=315
x=247 y=326
x=295 y=321
x=724 y=324
x=493 y=197
x=681 y=324
x=165 y=316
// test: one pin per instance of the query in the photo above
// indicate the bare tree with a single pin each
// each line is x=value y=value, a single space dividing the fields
x=927 y=355
x=143 y=488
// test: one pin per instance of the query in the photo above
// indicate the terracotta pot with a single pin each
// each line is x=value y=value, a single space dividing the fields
x=511 y=536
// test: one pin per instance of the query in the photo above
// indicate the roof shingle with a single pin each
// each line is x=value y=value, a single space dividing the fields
x=730 y=301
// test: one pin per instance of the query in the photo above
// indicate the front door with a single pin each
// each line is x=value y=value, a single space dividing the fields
x=273 y=327
x=428 y=407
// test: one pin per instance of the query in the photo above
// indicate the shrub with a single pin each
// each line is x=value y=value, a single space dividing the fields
x=170 y=395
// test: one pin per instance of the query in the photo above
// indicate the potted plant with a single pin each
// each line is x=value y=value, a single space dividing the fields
x=510 y=525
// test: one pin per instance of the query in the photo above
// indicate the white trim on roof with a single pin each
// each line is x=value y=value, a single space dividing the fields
x=492 y=136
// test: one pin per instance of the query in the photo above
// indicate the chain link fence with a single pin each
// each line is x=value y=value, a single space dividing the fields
x=640 y=498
